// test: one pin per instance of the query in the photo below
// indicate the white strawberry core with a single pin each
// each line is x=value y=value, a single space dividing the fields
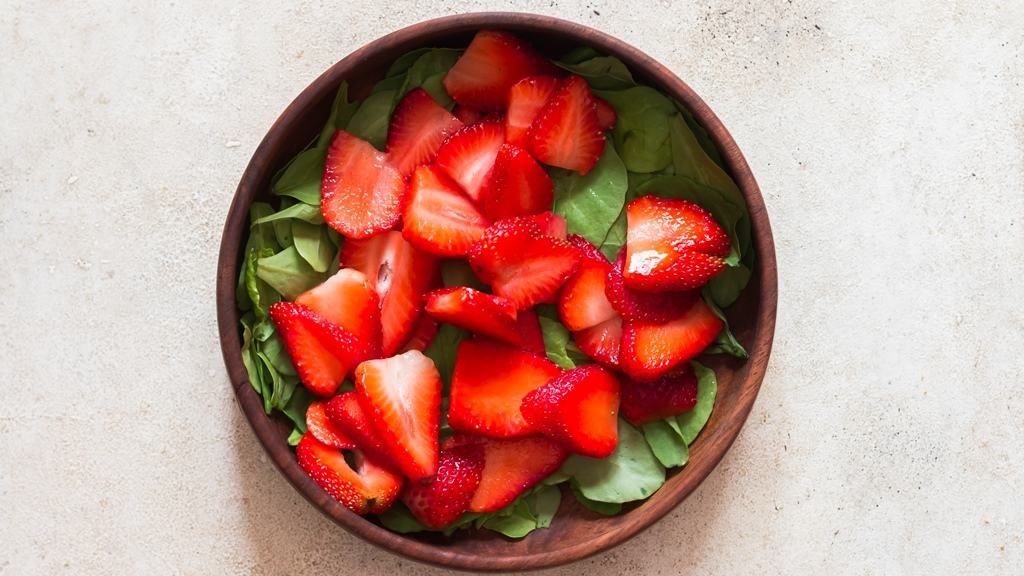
x=644 y=261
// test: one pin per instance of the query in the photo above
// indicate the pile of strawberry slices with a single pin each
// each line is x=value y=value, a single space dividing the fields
x=472 y=186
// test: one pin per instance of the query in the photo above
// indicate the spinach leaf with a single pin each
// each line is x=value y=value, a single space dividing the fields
x=725 y=288
x=399 y=519
x=556 y=338
x=602 y=72
x=260 y=294
x=313 y=245
x=249 y=359
x=459 y=273
x=590 y=204
x=725 y=342
x=370 y=121
x=580 y=54
x=288 y=273
x=700 y=133
x=431 y=66
x=274 y=348
x=295 y=408
x=302 y=211
x=641 y=132
x=604 y=508
x=631 y=472
x=515 y=525
x=544 y=504
x=300 y=179
x=692 y=422
x=402 y=64
x=666 y=443
x=341 y=112
x=444 y=349
x=294 y=437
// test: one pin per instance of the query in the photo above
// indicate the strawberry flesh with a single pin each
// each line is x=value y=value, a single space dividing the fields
x=364 y=487
x=530 y=334
x=668 y=396
x=602 y=342
x=491 y=64
x=647 y=306
x=579 y=409
x=467 y=115
x=348 y=300
x=516 y=186
x=606 y=115
x=566 y=132
x=438 y=217
x=360 y=193
x=418 y=128
x=440 y=500
x=481 y=313
x=582 y=302
x=652 y=349
x=526 y=98
x=319 y=424
x=423 y=334
x=467 y=156
x=347 y=414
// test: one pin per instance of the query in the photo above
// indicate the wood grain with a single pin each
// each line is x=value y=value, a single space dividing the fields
x=576 y=532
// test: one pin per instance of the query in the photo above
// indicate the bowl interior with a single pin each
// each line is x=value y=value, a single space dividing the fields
x=576 y=532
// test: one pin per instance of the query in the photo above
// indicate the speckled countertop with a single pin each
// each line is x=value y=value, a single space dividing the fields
x=888 y=139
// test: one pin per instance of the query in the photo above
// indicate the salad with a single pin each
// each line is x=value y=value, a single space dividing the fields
x=485 y=285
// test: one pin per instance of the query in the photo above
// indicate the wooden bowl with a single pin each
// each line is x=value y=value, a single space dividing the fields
x=576 y=532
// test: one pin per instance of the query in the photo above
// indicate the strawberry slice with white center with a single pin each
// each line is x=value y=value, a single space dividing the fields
x=516 y=186
x=348 y=416
x=348 y=300
x=579 y=409
x=606 y=115
x=400 y=274
x=323 y=429
x=602 y=342
x=648 y=306
x=491 y=64
x=323 y=353
x=361 y=193
x=467 y=156
x=439 y=218
x=671 y=245
x=566 y=132
x=582 y=302
x=423 y=334
x=357 y=482
x=521 y=263
x=489 y=382
x=402 y=395
x=526 y=98
x=440 y=500
x=652 y=349
x=418 y=128
x=477 y=312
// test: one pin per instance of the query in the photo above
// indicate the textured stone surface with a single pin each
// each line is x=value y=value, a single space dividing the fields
x=889 y=141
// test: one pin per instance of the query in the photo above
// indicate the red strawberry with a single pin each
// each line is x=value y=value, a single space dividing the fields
x=488 y=384
x=582 y=303
x=346 y=412
x=363 y=487
x=516 y=186
x=492 y=63
x=671 y=245
x=602 y=342
x=422 y=334
x=668 y=396
x=440 y=500
x=400 y=274
x=511 y=467
x=418 y=128
x=468 y=155
x=321 y=427
x=650 y=350
x=348 y=300
x=323 y=353
x=545 y=224
x=529 y=331
x=439 y=218
x=566 y=132
x=520 y=263
x=360 y=194
x=647 y=306
x=579 y=408
x=526 y=98
x=467 y=115
x=477 y=312
x=606 y=115
x=402 y=395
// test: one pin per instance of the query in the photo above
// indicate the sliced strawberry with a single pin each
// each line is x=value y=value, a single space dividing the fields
x=422 y=334
x=551 y=224
x=526 y=98
x=418 y=128
x=516 y=186
x=579 y=408
x=671 y=245
x=323 y=353
x=440 y=500
x=361 y=193
x=602 y=342
x=467 y=115
x=488 y=384
x=582 y=302
x=491 y=64
x=528 y=325
x=438 y=217
x=321 y=427
x=511 y=467
x=348 y=300
x=606 y=115
x=650 y=350
x=363 y=487
x=477 y=312
x=468 y=155
x=566 y=132
x=647 y=306
x=400 y=274
x=520 y=263
x=402 y=395
x=348 y=416
x=668 y=396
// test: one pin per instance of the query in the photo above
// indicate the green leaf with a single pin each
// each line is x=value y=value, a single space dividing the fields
x=300 y=179
x=577 y=55
x=444 y=348
x=402 y=64
x=294 y=437
x=513 y=525
x=604 y=508
x=303 y=212
x=274 y=348
x=341 y=112
x=557 y=478
x=249 y=359
x=296 y=407
x=692 y=422
x=370 y=121
x=260 y=294
x=459 y=273
x=544 y=503
x=313 y=245
x=592 y=203
x=288 y=273
x=616 y=237
x=434 y=63
x=602 y=72
x=666 y=443
x=556 y=337
x=700 y=133
x=725 y=288
x=434 y=86
x=631 y=472
x=399 y=519
x=641 y=132
x=725 y=342
x=260 y=237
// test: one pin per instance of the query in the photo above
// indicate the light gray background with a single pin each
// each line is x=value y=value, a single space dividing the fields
x=888 y=138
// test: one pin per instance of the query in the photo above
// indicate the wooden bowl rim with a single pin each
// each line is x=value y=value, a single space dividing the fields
x=283 y=457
